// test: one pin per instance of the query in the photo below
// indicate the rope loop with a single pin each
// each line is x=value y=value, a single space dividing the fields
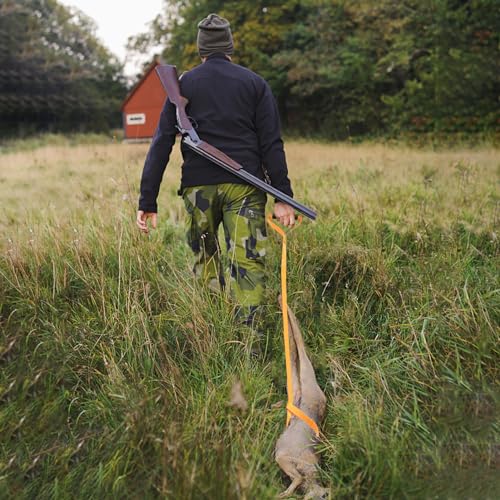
x=291 y=408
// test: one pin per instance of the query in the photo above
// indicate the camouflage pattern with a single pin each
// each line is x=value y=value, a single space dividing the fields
x=240 y=208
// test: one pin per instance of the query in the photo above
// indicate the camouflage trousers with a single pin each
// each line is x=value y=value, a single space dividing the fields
x=240 y=209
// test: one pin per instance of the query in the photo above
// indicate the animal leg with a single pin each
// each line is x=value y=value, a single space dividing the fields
x=306 y=367
x=288 y=466
x=291 y=489
x=316 y=492
x=294 y=362
x=311 y=394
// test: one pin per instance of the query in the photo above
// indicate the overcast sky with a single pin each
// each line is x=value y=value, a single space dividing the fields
x=117 y=20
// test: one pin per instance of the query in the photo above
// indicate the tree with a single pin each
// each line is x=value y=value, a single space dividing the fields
x=343 y=68
x=452 y=67
x=54 y=73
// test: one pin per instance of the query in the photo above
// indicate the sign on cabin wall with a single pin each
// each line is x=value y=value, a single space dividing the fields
x=136 y=119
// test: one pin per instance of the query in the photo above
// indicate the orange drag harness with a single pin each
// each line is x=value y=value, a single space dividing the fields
x=291 y=408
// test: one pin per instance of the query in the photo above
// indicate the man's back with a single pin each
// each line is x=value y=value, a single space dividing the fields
x=233 y=109
x=223 y=99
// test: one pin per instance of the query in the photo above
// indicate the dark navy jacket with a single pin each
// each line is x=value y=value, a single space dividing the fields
x=234 y=110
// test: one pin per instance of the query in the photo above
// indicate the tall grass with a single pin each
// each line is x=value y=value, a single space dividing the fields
x=116 y=368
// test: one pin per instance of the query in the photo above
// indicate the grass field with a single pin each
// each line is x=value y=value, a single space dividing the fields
x=116 y=369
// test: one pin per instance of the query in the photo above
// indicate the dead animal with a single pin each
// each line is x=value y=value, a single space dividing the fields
x=295 y=448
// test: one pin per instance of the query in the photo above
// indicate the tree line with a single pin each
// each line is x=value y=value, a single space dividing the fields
x=341 y=68
x=338 y=68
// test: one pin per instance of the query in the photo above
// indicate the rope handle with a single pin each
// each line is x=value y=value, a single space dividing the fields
x=291 y=408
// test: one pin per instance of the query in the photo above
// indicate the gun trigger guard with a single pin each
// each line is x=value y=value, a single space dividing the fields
x=188 y=133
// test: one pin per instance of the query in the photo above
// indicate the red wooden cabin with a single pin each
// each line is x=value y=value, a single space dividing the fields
x=142 y=107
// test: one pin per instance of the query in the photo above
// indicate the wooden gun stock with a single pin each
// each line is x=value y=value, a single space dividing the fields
x=169 y=79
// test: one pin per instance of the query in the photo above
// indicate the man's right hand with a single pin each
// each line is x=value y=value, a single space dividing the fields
x=284 y=213
x=142 y=218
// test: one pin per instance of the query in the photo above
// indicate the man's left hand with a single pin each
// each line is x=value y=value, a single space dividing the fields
x=142 y=218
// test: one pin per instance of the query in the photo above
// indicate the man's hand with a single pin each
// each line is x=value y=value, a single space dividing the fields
x=142 y=218
x=284 y=213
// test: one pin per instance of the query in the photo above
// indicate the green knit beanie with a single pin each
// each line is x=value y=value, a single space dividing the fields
x=214 y=35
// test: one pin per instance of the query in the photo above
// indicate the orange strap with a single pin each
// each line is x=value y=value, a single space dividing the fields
x=291 y=408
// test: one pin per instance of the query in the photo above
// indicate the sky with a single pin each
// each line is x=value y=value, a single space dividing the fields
x=117 y=20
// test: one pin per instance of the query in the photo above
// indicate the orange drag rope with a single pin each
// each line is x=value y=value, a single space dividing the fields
x=291 y=408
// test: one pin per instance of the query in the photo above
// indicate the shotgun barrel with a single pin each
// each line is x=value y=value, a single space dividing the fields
x=211 y=154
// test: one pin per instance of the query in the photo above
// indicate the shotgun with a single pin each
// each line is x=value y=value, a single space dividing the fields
x=170 y=81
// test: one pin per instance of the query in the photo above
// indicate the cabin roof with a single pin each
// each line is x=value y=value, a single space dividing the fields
x=156 y=62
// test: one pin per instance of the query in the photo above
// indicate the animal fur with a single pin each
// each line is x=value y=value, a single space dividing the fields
x=295 y=448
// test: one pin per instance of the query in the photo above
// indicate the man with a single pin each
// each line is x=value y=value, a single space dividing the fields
x=233 y=109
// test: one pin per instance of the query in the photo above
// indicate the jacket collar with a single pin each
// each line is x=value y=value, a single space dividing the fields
x=217 y=55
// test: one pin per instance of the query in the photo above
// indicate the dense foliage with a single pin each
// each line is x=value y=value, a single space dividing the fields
x=350 y=67
x=54 y=73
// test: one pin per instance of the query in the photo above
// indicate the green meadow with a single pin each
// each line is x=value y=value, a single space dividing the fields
x=116 y=367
